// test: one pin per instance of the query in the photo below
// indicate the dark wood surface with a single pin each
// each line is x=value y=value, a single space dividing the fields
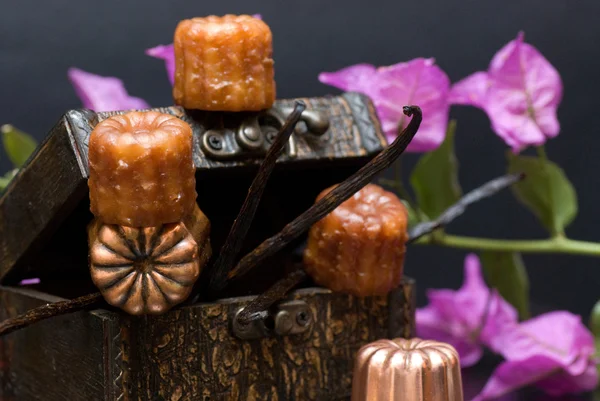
x=63 y=358
x=316 y=365
x=39 y=198
x=190 y=352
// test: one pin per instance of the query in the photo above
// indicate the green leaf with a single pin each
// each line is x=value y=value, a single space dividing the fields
x=595 y=322
x=546 y=191
x=5 y=180
x=18 y=145
x=506 y=272
x=595 y=328
x=435 y=177
x=413 y=218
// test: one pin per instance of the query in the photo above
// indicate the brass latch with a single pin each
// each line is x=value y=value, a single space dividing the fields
x=289 y=318
x=256 y=133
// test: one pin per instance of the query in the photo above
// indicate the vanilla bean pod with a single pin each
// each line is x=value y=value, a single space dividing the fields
x=276 y=292
x=333 y=199
x=49 y=310
x=488 y=189
x=279 y=290
x=239 y=229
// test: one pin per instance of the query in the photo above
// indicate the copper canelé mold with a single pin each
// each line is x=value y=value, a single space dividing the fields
x=407 y=370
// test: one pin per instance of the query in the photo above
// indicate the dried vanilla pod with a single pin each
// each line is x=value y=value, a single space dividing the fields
x=141 y=169
x=148 y=270
x=224 y=64
x=359 y=248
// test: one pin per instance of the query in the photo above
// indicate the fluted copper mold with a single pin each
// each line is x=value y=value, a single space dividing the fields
x=148 y=270
x=407 y=370
x=359 y=247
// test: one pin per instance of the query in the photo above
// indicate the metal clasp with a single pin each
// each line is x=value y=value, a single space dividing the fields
x=253 y=136
x=289 y=318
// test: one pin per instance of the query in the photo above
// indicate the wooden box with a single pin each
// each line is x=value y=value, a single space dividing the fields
x=190 y=353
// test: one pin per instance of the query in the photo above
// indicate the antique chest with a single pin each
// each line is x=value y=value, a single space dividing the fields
x=191 y=352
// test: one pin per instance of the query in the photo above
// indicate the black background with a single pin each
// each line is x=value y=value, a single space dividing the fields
x=39 y=40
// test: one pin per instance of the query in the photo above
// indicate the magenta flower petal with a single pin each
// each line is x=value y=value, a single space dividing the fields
x=429 y=327
x=470 y=91
x=467 y=318
x=356 y=78
x=572 y=346
x=167 y=53
x=554 y=352
x=513 y=375
x=29 y=281
x=540 y=371
x=103 y=93
x=418 y=81
x=520 y=95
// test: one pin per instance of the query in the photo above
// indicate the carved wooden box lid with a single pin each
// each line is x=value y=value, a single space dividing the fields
x=44 y=212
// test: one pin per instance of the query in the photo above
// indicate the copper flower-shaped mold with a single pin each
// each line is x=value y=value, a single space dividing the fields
x=143 y=270
x=407 y=370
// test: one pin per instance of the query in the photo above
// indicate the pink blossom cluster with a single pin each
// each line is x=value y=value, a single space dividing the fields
x=520 y=92
x=554 y=351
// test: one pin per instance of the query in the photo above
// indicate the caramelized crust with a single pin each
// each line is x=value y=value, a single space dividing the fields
x=141 y=169
x=359 y=247
x=224 y=64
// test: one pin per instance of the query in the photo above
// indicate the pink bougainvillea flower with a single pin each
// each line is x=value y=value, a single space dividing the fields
x=167 y=53
x=418 y=82
x=103 y=93
x=466 y=318
x=29 y=281
x=520 y=93
x=554 y=352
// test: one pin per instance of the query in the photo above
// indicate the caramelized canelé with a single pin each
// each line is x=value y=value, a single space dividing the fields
x=359 y=247
x=224 y=64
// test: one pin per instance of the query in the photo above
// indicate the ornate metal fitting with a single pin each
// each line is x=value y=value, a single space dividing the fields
x=254 y=136
x=290 y=318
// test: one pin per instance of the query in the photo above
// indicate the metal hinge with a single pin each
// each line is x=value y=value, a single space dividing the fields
x=289 y=318
x=256 y=133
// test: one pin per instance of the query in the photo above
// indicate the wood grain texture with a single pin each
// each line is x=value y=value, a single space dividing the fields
x=190 y=353
x=52 y=185
x=39 y=198
x=64 y=358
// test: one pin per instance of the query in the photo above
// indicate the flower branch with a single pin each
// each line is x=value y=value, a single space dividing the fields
x=556 y=245
x=520 y=92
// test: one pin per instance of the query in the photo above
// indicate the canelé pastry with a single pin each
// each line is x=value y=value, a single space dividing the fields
x=359 y=247
x=148 y=270
x=407 y=370
x=141 y=169
x=224 y=64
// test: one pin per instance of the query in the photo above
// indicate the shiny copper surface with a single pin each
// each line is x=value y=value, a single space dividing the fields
x=224 y=64
x=141 y=169
x=148 y=270
x=407 y=370
x=359 y=247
